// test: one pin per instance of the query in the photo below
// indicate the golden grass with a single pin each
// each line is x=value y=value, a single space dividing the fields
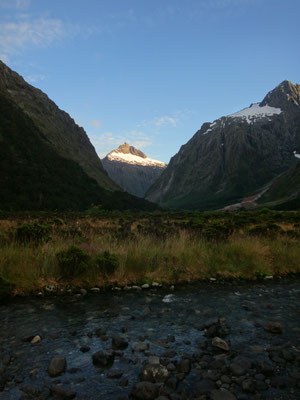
x=144 y=258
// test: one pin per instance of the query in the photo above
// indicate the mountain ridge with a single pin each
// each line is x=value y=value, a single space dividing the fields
x=235 y=156
x=61 y=131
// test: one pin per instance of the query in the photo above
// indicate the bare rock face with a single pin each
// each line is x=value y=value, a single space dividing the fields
x=235 y=157
x=131 y=169
x=60 y=130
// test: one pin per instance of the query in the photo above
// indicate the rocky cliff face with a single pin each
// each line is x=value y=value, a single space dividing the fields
x=235 y=156
x=132 y=169
x=62 y=133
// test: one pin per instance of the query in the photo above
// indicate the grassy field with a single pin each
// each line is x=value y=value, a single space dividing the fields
x=111 y=248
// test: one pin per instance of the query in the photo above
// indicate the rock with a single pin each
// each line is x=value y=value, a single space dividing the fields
x=201 y=343
x=141 y=346
x=265 y=368
x=237 y=369
x=101 y=332
x=154 y=373
x=267 y=277
x=31 y=390
x=273 y=327
x=135 y=287
x=222 y=394
x=123 y=382
x=288 y=355
x=145 y=391
x=62 y=393
x=155 y=284
x=85 y=348
x=36 y=339
x=204 y=387
x=57 y=366
x=119 y=342
x=169 y=298
x=185 y=366
x=6 y=359
x=220 y=343
x=248 y=385
x=169 y=354
x=114 y=374
x=83 y=292
x=103 y=358
x=153 y=360
x=145 y=286
x=95 y=290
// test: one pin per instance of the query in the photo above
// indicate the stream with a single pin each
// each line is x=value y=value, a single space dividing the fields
x=166 y=338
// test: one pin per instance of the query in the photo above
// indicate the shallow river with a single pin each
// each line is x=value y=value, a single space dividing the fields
x=156 y=322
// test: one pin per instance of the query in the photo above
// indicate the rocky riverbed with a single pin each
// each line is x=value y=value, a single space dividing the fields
x=206 y=341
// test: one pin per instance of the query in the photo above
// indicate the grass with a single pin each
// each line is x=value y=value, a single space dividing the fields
x=170 y=250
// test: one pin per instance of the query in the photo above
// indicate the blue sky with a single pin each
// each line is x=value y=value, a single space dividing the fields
x=150 y=72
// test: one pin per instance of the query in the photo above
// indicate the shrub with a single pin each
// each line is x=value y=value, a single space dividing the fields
x=72 y=262
x=217 y=231
x=5 y=287
x=35 y=233
x=107 y=262
x=268 y=230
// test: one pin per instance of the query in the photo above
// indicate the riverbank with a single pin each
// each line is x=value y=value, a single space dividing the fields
x=55 y=254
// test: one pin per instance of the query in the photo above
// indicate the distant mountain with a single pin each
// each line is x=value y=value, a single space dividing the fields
x=46 y=169
x=236 y=156
x=131 y=169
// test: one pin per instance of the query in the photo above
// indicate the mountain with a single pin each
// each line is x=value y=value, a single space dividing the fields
x=284 y=192
x=59 y=129
x=236 y=156
x=131 y=169
x=38 y=172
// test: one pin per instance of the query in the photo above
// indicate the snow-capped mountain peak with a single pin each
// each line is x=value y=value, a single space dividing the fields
x=130 y=155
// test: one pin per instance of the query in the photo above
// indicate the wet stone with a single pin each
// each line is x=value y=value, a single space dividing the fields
x=119 y=342
x=220 y=344
x=103 y=358
x=145 y=391
x=185 y=366
x=273 y=327
x=222 y=394
x=62 y=393
x=114 y=374
x=154 y=373
x=57 y=366
x=85 y=348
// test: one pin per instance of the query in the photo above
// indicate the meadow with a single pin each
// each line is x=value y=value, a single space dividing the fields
x=110 y=248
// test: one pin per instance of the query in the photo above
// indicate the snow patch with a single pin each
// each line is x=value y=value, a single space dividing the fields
x=255 y=112
x=296 y=154
x=132 y=159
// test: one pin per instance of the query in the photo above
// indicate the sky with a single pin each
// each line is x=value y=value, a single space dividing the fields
x=151 y=72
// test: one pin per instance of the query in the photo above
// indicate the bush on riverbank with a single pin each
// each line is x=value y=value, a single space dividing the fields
x=145 y=247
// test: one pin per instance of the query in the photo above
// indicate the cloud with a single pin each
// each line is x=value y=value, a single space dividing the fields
x=15 y=36
x=35 y=78
x=165 y=121
x=108 y=141
x=96 y=123
x=15 y=4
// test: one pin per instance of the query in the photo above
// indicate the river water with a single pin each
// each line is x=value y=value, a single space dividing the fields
x=163 y=321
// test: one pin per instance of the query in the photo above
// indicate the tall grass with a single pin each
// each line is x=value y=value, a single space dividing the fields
x=143 y=257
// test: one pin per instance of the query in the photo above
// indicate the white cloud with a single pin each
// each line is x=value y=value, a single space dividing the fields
x=108 y=141
x=165 y=120
x=15 y=4
x=35 y=78
x=15 y=36
x=96 y=123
